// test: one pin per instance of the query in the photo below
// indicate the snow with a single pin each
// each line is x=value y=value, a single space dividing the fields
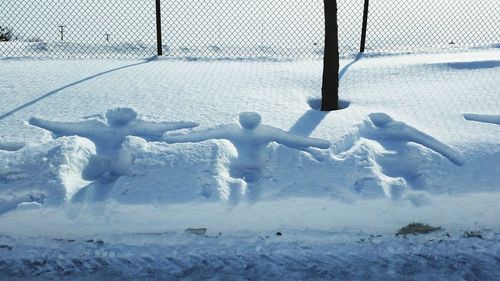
x=125 y=151
x=294 y=254
x=112 y=160
x=493 y=119
x=250 y=140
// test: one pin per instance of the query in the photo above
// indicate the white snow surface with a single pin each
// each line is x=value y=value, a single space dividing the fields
x=402 y=139
x=417 y=140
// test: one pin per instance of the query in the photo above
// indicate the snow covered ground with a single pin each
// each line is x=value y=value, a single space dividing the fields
x=417 y=141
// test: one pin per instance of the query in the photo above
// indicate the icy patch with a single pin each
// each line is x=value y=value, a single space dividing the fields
x=298 y=255
x=250 y=139
x=493 y=119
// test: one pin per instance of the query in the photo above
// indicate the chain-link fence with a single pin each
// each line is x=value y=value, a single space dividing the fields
x=238 y=29
x=412 y=25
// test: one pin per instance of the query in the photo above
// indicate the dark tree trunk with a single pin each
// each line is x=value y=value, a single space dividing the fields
x=330 y=88
x=158 y=28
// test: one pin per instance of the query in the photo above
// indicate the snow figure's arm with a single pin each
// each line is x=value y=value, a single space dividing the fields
x=386 y=126
x=66 y=128
x=153 y=131
x=295 y=141
x=424 y=139
x=221 y=132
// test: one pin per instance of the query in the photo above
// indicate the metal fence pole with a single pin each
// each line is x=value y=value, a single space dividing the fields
x=61 y=31
x=365 y=24
x=330 y=87
x=158 y=28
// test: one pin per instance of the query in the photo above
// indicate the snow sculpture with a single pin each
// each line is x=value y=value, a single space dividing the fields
x=387 y=128
x=108 y=134
x=250 y=139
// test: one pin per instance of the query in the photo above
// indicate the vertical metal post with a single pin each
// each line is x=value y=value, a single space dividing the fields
x=365 y=24
x=158 y=28
x=330 y=87
x=61 y=30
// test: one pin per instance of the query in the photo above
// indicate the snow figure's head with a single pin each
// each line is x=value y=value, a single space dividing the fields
x=249 y=120
x=120 y=116
x=380 y=119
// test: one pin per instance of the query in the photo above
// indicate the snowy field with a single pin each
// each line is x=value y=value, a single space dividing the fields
x=418 y=140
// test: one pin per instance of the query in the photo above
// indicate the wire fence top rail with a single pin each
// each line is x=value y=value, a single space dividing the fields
x=238 y=29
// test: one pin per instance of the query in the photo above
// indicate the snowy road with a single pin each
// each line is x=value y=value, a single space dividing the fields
x=291 y=256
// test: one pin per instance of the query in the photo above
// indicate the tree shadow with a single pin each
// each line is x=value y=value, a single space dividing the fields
x=308 y=122
x=7 y=114
x=473 y=65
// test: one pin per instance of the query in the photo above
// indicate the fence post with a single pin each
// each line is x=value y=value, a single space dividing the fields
x=365 y=24
x=330 y=88
x=61 y=31
x=158 y=28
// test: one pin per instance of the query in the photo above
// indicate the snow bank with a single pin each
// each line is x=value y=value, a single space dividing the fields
x=47 y=174
x=408 y=149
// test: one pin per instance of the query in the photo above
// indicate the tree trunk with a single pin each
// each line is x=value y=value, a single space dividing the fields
x=330 y=88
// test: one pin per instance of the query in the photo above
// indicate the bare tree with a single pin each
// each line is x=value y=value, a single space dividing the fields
x=5 y=34
x=330 y=88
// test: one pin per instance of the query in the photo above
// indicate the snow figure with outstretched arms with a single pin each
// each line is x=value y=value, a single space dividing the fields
x=109 y=134
x=384 y=127
x=250 y=139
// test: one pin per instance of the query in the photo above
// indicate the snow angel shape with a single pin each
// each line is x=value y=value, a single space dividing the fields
x=250 y=139
x=108 y=134
x=388 y=128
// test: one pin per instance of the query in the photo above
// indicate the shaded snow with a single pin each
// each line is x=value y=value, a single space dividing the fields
x=298 y=255
x=401 y=138
x=493 y=119
x=11 y=146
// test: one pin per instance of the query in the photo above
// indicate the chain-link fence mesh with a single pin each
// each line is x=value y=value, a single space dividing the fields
x=86 y=28
x=413 y=25
x=238 y=29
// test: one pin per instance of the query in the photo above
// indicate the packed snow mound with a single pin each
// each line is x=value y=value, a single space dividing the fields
x=108 y=134
x=48 y=174
x=493 y=119
x=169 y=174
x=243 y=162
